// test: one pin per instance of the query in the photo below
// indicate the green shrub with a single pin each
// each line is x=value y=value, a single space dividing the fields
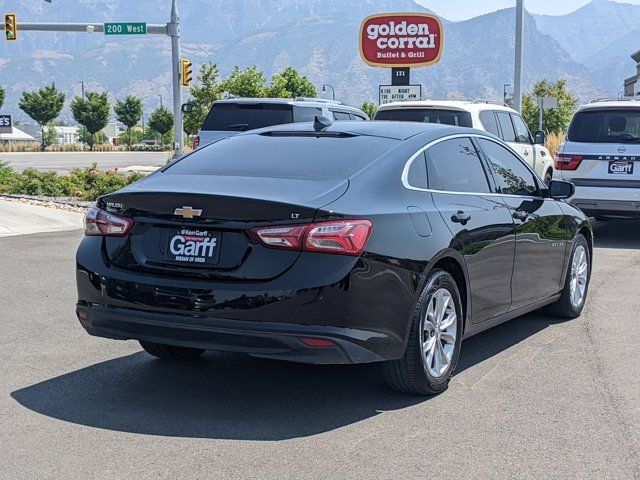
x=83 y=183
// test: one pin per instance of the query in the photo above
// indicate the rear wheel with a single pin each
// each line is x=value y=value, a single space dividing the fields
x=548 y=177
x=171 y=352
x=434 y=340
x=574 y=293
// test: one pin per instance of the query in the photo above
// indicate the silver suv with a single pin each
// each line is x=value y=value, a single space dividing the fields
x=601 y=156
x=229 y=117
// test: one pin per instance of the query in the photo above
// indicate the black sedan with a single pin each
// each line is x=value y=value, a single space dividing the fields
x=334 y=243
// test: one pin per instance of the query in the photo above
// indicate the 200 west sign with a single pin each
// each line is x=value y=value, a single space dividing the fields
x=401 y=40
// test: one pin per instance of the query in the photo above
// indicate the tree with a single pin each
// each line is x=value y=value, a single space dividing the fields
x=369 y=108
x=129 y=112
x=50 y=135
x=42 y=106
x=161 y=121
x=1 y=97
x=206 y=90
x=556 y=120
x=249 y=82
x=92 y=113
x=290 y=84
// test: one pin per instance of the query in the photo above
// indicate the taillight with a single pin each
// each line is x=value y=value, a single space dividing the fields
x=567 y=162
x=344 y=237
x=99 y=222
x=196 y=142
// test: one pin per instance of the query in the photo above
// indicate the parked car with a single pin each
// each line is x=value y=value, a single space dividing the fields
x=383 y=242
x=502 y=121
x=229 y=117
x=601 y=156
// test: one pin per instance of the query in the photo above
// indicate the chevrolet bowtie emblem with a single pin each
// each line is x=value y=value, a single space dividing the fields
x=188 y=212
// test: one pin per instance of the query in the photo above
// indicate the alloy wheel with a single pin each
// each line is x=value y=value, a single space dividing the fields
x=439 y=331
x=579 y=276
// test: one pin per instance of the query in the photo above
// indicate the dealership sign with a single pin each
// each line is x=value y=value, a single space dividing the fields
x=6 y=124
x=399 y=93
x=401 y=40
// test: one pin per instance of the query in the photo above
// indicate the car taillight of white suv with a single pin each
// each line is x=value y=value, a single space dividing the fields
x=601 y=157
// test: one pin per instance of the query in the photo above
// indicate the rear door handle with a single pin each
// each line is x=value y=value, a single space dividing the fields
x=520 y=215
x=460 y=217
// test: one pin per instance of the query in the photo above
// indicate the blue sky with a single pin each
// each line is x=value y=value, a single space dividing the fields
x=464 y=9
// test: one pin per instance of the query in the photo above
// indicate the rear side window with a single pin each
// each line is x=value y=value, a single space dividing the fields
x=240 y=116
x=454 y=165
x=522 y=131
x=341 y=115
x=606 y=126
x=427 y=115
x=306 y=114
x=417 y=175
x=284 y=156
x=511 y=175
x=508 y=133
x=489 y=122
x=357 y=117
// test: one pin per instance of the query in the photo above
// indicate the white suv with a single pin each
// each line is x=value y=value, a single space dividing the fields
x=601 y=156
x=504 y=122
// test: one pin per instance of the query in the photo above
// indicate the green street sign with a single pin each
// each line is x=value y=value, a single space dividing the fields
x=126 y=28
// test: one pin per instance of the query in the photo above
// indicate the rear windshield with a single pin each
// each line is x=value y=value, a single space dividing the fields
x=240 y=117
x=284 y=156
x=427 y=115
x=605 y=126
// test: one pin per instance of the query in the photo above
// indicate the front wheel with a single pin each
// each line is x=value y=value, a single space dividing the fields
x=548 y=177
x=434 y=340
x=576 y=286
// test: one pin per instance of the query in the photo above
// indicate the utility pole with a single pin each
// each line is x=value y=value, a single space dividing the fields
x=517 y=77
x=173 y=30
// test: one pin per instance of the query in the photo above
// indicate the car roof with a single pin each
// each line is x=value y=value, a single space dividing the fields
x=300 y=101
x=604 y=105
x=462 y=105
x=388 y=129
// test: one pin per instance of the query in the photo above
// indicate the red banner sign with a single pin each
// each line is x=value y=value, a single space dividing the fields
x=401 y=40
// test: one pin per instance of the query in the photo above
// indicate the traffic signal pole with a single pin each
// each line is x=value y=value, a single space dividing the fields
x=171 y=29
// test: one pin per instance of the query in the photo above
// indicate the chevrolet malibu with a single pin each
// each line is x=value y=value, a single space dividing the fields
x=325 y=243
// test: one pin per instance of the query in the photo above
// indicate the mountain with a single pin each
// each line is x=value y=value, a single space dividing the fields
x=592 y=28
x=318 y=37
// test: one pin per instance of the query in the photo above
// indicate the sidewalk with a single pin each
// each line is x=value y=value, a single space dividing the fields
x=22 y=218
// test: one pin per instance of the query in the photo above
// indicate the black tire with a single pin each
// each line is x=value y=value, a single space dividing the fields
x=564 y=307
x=548 y=177
x=409 y=374
x=170 y=352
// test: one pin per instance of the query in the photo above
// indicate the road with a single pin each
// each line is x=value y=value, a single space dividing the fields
x=63 y=162
x=534 y=398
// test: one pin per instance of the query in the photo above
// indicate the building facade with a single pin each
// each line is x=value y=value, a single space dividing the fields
x=631 y=84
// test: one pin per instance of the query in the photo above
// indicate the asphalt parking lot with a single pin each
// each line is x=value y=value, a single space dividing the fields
x=533 y=398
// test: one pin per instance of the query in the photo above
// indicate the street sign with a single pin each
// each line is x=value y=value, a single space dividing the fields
x=126 y=28
x=401 y=40
x=399 y=93
x=6 y=124
x=548 y=102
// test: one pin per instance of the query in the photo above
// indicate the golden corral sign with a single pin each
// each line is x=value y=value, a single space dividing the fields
x=401 y=40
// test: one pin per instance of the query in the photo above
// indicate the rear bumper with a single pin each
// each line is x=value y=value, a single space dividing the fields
x=620 y=208
x=363 y=305
x=273 y=340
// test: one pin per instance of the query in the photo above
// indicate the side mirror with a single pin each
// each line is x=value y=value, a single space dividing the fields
x=560 y=190
x=540 y=137
x=187 y=107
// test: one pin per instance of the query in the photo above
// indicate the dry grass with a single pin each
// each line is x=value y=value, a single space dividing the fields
x=553 y=142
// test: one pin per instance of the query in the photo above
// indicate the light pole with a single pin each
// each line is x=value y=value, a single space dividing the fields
x=333 y=90
x=160 y=100
x=82 y=83
x=504 y=93
x=517 y=77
